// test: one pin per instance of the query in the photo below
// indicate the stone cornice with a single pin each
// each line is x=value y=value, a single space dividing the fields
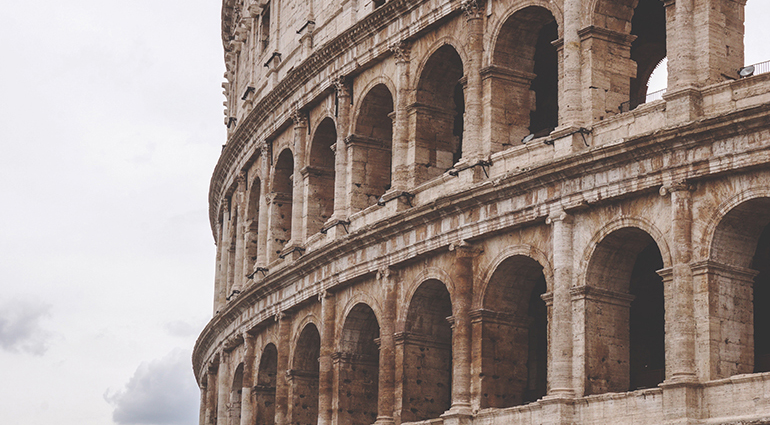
x=591 y=161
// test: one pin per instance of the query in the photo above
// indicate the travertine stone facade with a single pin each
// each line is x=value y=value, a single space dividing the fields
x=468 y=212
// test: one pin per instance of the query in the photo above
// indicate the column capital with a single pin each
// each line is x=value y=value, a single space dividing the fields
x=299 y=117
x=672 y=187
x=401 y=50
x=342 y=85
x=465 y=249
x=241 y=180
x=473 y=9
x=557 y=215
x=264 y=150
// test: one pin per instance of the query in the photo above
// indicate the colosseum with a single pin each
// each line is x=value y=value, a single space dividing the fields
x=475 y=212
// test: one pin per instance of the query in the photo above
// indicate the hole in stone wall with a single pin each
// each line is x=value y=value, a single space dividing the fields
x=649 y=48
x=545 y=85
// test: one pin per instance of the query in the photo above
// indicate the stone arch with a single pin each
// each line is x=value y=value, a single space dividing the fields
x=357 y=364
x=426 y=350
x=281 y=193
x=320 y=175
x=623 y=300
x=436 y=117
x=525 y=71
x=264 y=388
x=234 y=410
x=303 y=376
x=428 y=273
x=371 y=143
x=360 y=297
x=523 y=250
x=737 y=275
x=513 y=327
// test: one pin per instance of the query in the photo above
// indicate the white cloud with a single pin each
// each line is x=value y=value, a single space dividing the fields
x=20 y=327
x=161 y=392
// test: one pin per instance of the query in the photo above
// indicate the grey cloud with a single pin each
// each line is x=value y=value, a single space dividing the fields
x=180 y=329
x=161 y=392
x=20 y=327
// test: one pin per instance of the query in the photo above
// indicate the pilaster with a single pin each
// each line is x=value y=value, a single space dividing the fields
x=325 y=369
x=400 y=174
x=472 y=146
x=387 y=376
x=282 y=368
x=341 y=175
x=247 y=398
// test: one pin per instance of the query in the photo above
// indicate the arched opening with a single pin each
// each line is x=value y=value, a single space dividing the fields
x=372 y=148
x=739 y=282
x=252 y=226
x=232 y=244
x=234 y=410
x=513 y=325
x=649 y=48
x=320 y=175
x=303 y=377
x=427 y=353
x=525 y=74
x=358 y=367
x=625 y=320
x=281 y=204
x=264 y=390
x=437 y=135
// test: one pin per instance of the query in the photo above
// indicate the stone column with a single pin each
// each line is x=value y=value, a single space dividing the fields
x=473 y=148
x=247 y=398
x=325 y=370
x=341 y=177
x=223 y=388
x=461 y=331
x=572 y=115
x=219 y=280
x=226 y=243
x=683 y=99
x=680 y=323
x=202 y=408
x=387 y=375
x=211 y=395
x=298 y=189
x=282 y=369
x=263 y=206
x=238 y=276
x=399 y=171
x=560 y=323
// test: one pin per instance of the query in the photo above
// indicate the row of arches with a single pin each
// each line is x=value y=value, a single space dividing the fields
x=623 y=303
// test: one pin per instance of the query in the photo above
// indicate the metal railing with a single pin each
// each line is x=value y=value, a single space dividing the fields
x=758 y=68
x=649 y=97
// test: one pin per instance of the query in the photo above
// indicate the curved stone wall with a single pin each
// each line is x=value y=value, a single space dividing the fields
x=459 y=211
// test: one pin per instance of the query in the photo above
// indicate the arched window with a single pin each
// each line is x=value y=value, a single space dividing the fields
x=514 y=326
x=427 y=354
x=372 y=148
x=320 y=175
x=358 y=367
x=303 y=377
x=281 y=204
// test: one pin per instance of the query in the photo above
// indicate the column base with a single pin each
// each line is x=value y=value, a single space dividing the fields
x=681 y=402
x=384 y=420
x=458 y=415
x=683 y=105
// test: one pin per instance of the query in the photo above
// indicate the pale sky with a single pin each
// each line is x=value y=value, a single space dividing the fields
x=110 y=126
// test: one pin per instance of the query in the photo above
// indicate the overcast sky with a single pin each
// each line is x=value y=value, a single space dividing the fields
x=110 y=126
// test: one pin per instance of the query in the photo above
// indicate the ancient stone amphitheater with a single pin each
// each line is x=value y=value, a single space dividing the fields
x=470 y=212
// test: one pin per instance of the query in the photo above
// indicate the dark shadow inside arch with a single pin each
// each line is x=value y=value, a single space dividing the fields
x=440 y=104
x=320 y=175
x=513 y=325
x=303 y=377
x=358 y=367
x=741 y=248
x=252 y=224
x=427 y=353
x=525 y=75
x=234 y=409
x=625 y=318
x=281 y=204
x=264 y=390
x=372 y=145
x=649 y=48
